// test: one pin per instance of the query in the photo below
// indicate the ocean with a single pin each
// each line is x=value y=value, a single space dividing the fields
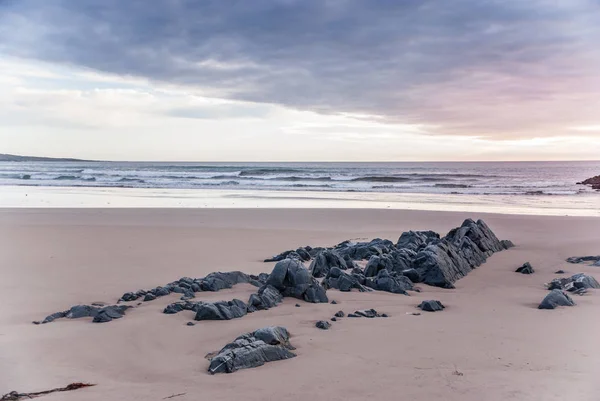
x=548 y=184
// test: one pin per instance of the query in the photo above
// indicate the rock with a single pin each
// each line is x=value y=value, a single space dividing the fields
x=385 y=315
x=323 y=325
x=595 y=260
x=149 y=297
x=297 y=305
x=128 y=297
x=339 y=314
x=303 y=254
x=266 y=298
x=364 y=250
x=251 y=350
x=594 y=182
x=412 y=275
x=221 y=310
x=334 y=302
x=99 y=314
x=334 y=319
x=559 y=272
x=378 y=263
x=190 y=324
x=525 y=269
x=431 y=306
x=577 y=283
x=556 y=298
x=324 y=261
x=416 y=240
x=390 y=282
x=218 y=281
x=344 y=282
x=369 y=313
x=292 y=279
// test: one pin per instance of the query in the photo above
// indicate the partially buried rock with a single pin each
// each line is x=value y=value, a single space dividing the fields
x=190 y=324
x=251 y=350
x=369 y=313
x=525 y=269
x=577 y=283
x=99 y=314
x=323 y=325
x=556 y=298
x=559 y=272
x=339 y=314
x=431 y=306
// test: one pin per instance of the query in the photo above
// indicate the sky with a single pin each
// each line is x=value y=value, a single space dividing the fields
x=301 y=80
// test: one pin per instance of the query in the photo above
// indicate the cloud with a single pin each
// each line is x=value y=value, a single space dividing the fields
x=498 y=69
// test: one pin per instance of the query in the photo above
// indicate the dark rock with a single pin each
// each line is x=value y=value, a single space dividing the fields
x=128 y=297
x=297 y=305
x=559 y=272
x=431 y=306
x=334 y=302
x=595 y=260
x=412 y=275
x=324 y=261
x=378 y=263
x=344 y=282
x=416 y=240
x=574 y=284
x=303 y=254
x=251 y=350
x=334 y=319
x=385 y=315
x=266 y=298
x=352 y=315
x=556 y=298
x=390 y=282
x=594 y=182
x=364 y=250
x=190 y=324
x=173 y=308
x=177 y=289
x=149 y=297
x=323 y=325
x=525 y=269
x=222 y=280
x=339 y=314
x=221 y=310
x=292 y=279
x=99 y=314
x=369 y=313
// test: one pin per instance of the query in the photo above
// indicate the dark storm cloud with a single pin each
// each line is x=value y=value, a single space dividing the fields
x=500 y=68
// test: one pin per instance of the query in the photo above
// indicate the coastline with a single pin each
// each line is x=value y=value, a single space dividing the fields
x=85 y=197
x=491 y=330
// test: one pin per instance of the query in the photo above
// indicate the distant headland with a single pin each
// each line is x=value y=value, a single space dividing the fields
x=17 y=158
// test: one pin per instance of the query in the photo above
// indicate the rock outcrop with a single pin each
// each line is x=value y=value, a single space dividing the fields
x=556 y=298
x=102 y=314
x=594 y=182
x=577 y=283
x=292 y=279
x=221 y=310
x=525 y=269
x=251 y=350
x=324 y=261
x=345 y=282
x=390 y=282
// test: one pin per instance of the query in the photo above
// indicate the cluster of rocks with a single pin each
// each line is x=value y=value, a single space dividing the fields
x=525 y=269
x=100 y=314
x=431 y=306
x=593 y=260
x=188 y=286
x=594 y=182
x=418 y=256
x=577 y=283
x=251 y=350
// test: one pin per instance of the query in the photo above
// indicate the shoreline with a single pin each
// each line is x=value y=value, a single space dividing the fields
x=70 y=197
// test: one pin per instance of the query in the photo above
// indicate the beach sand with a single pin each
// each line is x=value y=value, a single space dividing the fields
x=491 y=332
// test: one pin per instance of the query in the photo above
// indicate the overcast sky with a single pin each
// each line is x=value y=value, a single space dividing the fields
x=326 y=80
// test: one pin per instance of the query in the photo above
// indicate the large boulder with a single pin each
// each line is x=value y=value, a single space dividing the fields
x=324 y=261
x=251 y=350
x=292 y=279
x=556 y=298
x=221 y=310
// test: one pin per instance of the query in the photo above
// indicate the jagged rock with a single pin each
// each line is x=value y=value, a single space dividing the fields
x=292 y=279
x=251 y=350
x=577 y=283
x=222 y=280
x=416 y=240
x=369 y=313
x=507 y=244
x=378 y=263
x=412 y=275
x=324 y=261
x=444 y=261
x=339 y=314
x=266 y=298
x=390 y=282
x=582 y=259
x=221 y=310
x=99 y=314
x=525 y=269
x=431 y=306
x=323 y=325
x=364 y=250
x=344 y=282
x=128 y=297
x=556 y=298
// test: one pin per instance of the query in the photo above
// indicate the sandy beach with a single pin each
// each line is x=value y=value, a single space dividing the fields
x=491 y=343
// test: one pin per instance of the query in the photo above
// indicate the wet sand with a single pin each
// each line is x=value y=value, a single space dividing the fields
x=491 y=331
